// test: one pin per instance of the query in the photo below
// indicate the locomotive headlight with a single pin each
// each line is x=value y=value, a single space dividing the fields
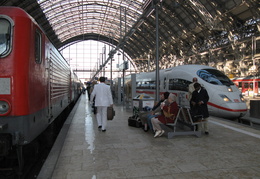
x=225 y=98
x=229 y=89
x=4 y=107
x=242 y=98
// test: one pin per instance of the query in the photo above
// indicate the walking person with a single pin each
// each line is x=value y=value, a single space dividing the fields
x=199 y=105
x=103 y=99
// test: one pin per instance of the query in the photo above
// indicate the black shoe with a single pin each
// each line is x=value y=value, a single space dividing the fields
x=104 y=130
x=99 y=127
x=207 y=133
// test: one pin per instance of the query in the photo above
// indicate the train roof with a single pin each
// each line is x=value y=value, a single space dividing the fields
x=190 y=67
x=146 y=76
x=245 y=78
x=17 y=11
x=187 y=68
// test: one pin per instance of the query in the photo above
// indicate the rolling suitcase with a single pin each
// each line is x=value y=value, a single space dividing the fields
x=110 y=113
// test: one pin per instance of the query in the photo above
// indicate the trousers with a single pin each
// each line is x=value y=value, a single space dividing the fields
x=149 y=120
x=203 y=126
x=102 y=116
x=156 y=124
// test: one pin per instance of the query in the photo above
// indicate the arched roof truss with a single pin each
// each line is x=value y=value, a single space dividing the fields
x=74 y=17
x=186 y=27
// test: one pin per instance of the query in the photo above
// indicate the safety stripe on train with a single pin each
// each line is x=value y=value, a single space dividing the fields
x=227 y=109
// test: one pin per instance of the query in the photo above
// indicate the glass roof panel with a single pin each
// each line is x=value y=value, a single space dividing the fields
x=70 y=18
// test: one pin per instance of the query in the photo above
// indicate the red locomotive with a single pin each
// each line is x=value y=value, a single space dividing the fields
x=249 y=86
x=36 y=83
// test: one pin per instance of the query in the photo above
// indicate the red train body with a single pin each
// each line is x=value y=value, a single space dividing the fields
x=36 y=83
x=249 y=86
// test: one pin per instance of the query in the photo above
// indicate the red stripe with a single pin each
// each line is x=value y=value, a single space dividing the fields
x=227 y=109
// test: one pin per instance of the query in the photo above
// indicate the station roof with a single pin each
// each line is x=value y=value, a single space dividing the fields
x=186 y=27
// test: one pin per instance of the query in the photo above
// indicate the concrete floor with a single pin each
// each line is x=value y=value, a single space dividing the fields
x=230 y=151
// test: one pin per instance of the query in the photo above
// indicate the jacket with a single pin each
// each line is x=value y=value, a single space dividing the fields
x=172 y=109
x=203 y=108
x=102 y=94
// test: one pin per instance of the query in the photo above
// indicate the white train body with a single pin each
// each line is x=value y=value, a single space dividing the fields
x=225 y=99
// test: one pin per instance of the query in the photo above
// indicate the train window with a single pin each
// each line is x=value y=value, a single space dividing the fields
x=139 y=85
x=145 y=85
x=239 y=84
x=38 y=49
x=214 y=76
x=251 y=85
x=152 y=84
x=179 y=84
x=245 y=85
x=6 y=28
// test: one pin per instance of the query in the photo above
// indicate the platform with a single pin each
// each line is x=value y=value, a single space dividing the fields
x=231 y=150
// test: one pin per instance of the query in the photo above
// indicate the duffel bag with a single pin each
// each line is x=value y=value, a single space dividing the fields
x=134 y=122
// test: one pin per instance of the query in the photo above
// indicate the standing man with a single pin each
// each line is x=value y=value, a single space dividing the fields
x=199 y=105
x=191 y=87
x=103 y=99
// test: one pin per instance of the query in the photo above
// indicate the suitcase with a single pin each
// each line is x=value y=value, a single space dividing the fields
x=134 y=122
x=110 y=113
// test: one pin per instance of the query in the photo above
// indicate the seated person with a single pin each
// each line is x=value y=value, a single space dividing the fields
x=170 y=111
x=156 y=111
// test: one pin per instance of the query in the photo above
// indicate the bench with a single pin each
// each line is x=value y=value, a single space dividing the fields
x=184 y=118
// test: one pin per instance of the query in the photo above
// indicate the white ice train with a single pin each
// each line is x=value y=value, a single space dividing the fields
x=225 y=99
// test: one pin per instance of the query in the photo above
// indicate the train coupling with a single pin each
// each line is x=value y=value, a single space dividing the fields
x=5 y=144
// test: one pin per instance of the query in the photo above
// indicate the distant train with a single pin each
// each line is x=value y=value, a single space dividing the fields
x=36 y=83
x=225 y=100
x=249 y=86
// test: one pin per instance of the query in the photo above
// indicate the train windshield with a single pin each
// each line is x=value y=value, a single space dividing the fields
x=214 y=76
x=5 y=37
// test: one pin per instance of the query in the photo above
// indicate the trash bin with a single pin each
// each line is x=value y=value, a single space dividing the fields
x=254 y=108
x=142 y=102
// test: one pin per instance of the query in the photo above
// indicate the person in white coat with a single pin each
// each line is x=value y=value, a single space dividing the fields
x=103 y=99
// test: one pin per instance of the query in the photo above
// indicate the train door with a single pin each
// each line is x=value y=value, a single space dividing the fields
x=73 y=88
x=248 y=88
x=245 y=88
x=251 y=89
x=164 y=86
x=49 y=73
x=164 y=82
x=240 y=87
x=258 y=88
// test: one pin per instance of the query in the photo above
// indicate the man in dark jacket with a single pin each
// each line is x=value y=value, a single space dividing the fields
x=199 y=105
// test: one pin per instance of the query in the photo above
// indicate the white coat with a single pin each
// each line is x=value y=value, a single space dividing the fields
x=103 y=95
